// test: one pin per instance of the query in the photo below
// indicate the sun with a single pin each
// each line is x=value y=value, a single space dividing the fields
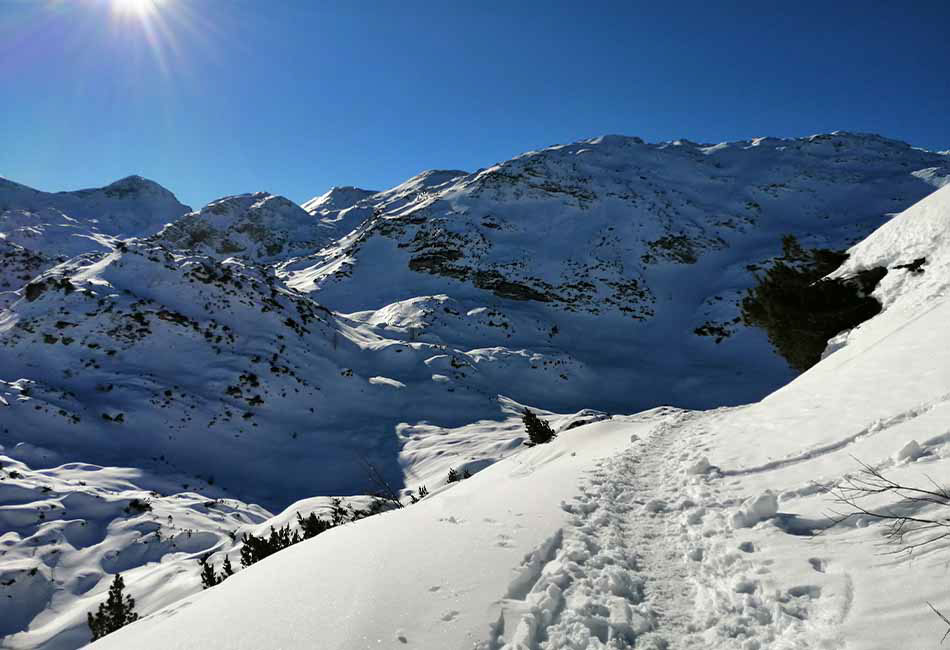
x=135 y=7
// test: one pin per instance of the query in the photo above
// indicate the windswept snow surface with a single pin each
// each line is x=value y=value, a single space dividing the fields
x=668 y=529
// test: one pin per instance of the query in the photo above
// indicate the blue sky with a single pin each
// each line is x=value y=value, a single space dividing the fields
x=217 y=97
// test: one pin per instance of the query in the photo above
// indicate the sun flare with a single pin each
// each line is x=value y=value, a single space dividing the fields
x=136 y=7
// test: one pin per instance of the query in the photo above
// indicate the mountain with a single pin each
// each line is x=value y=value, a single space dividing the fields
x=667 y=529
x=37 y=229
x=344 y=208
x=395 y=335
x=260 y=227
x=216 y=343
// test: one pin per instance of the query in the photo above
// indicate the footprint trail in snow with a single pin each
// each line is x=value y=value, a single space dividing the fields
x=650 y=558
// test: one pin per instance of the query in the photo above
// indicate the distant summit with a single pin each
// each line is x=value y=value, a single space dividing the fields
x=257 y=226
x=38 y=229
x=336 y=199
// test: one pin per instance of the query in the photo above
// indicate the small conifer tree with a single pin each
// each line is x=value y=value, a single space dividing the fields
x=539 y=431
x=116 y=612
x=226 y=569
x=208 y=576
x=313 y=525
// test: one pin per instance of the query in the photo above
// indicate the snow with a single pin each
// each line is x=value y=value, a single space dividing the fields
x=65 y=530
x=177 y=365
x=609 y=537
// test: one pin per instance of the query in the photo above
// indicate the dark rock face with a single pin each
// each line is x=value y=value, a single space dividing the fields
x=495 y=281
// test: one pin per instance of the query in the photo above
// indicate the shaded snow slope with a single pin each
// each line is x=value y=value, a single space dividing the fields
x=667 y=529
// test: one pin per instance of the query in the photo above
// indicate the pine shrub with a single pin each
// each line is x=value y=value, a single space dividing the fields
x=539 y=431
x=116 y=612
x=256 y=548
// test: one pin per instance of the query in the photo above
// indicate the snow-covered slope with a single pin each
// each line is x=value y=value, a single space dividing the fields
x=65 y=530
x=68 y=528
x=342 y=209
x=669 y=529
x=651 y=244
x=257 y=226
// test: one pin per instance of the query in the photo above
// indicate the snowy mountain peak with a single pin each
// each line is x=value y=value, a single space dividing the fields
x=336 y=199
x=257 y=226
x=133 y=186
x=39 y=229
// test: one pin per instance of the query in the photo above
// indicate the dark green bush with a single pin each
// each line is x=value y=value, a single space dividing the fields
x=256 y=548
x=800 y=309
x=539 y=431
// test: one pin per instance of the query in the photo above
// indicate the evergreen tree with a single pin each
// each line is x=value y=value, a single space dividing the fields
x=312 y=525
x=539 y=431
x=226 y=569
x=208 y=577
x=116 y=612
x=256 y=548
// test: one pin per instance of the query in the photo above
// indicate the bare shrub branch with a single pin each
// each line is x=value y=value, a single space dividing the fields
x=383 y=489
x=901 y=518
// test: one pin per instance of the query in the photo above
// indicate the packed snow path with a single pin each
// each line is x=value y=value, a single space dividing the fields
x=650 y=558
